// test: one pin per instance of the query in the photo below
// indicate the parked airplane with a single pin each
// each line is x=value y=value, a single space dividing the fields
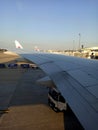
x=18 y=45
x=76 y=79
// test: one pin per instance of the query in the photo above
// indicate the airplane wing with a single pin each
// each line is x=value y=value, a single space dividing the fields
x=77 y=80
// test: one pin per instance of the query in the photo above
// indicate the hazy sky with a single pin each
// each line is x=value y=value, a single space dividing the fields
x=49 y=24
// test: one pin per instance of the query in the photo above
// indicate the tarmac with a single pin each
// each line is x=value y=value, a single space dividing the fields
x=24 y=103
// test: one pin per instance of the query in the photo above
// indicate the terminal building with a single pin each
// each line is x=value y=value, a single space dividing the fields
x=91 y=52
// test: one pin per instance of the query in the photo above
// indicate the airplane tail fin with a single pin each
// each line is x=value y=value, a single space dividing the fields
x=18 y=45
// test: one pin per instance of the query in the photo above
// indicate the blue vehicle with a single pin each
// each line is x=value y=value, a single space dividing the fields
x=2 y=65
x=25 y=66
x=12 y=65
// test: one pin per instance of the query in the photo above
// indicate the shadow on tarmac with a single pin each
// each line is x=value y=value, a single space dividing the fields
x=70 y=121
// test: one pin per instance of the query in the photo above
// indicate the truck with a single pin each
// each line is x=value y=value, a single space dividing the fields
x=56 y=101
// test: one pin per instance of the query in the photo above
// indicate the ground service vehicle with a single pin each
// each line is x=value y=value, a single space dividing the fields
x=56 y=100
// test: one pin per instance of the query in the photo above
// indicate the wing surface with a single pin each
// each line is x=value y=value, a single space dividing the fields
x=77 y=80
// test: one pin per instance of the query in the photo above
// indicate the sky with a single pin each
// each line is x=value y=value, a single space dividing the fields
x=49 y=24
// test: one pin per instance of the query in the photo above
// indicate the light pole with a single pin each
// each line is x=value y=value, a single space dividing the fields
x=73 y=45
x=79 y=41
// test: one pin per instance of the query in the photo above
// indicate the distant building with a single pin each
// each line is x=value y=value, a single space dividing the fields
x=91 y=52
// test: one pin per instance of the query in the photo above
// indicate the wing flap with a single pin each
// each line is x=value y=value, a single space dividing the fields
x=77 y=101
